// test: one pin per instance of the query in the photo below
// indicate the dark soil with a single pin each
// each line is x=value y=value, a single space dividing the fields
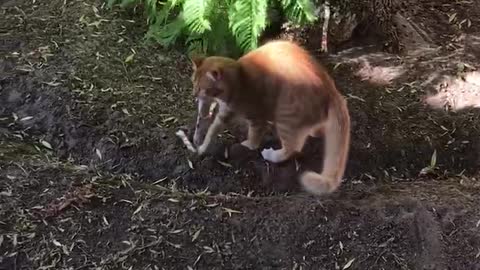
x=93 y=177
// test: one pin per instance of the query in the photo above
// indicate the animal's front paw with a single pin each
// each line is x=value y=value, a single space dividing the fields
x=269 y=154
x=202 y=149
x=249 y=145
x=196 y=140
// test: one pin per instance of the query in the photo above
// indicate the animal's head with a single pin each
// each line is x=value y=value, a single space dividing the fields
x=211 y=76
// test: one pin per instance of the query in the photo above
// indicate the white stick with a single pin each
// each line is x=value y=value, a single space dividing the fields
x=206 y=106
x=180 y=133
x=326 y=18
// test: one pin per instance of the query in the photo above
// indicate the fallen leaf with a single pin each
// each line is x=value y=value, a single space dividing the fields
x=171 y=118
x=349 y=263
x=26 y=118
x=129 y=58
x=231 y=211
x=452 y=17
x=56 y=243
x=105 y=221
x=208 y=249
x=138 y=209
x=224 y=164
x=53 y=84
x=99 y=154
x=46 y=144
x=190 y=164
x=195 y=236
x=9 y=193
x=15 y=240
x=433 y=161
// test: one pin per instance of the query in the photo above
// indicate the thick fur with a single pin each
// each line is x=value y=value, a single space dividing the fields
x=279 y=82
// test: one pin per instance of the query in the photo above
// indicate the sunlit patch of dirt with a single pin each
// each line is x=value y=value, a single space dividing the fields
x=457 y=93
x=376 y=68
x=378 y=75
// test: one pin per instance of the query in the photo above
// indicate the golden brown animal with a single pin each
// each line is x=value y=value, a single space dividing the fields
x=279 y=82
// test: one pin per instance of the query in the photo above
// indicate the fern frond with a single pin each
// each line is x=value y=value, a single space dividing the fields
x=247 y=20
x=126 y=3
x=196 y=13
x=110 y=3
x=299 y=11
x=197 y=45
x=166 y=34
x=151 y=10
x=164 y=13
x=221 y=40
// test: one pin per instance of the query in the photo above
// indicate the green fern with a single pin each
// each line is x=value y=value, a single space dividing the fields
x=164 y=13
x=247 y=20
x=166 y=34
x=221 y=39
x=151 y=10
x=223 y=27
x=196 y=13
x=126 y=3
x=299 y=11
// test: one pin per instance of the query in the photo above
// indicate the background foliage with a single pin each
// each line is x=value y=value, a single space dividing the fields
x=221 y=27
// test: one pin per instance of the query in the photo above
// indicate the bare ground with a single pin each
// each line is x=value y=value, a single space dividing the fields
x=93 y=177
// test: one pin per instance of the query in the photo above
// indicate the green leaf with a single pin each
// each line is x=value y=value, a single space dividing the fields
x=167 y=8
x=129 y=58
x=151 y=10
x=197 y=45
x=225 y=27
x=196 y=13
x=433 y=161
x=125 y=3
x=166 y=34
x=247 y=20
x=299 y=11
x=110 y=3
x=220 y=40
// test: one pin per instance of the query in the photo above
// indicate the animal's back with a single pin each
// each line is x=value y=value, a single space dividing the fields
x=285 y=77
x=286 y=61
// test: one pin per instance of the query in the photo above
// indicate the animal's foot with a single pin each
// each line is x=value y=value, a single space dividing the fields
x=272 y=155
x=249 y=145
x=202 y=149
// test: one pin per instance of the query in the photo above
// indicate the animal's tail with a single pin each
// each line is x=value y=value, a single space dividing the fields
x=337 y=145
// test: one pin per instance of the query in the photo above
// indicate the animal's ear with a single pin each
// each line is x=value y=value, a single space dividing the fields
x=197 y=61
x=214 y=75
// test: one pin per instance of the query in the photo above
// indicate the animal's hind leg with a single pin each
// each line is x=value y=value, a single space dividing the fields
x=256 y=131
x=292 y=140
x=318 y=131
